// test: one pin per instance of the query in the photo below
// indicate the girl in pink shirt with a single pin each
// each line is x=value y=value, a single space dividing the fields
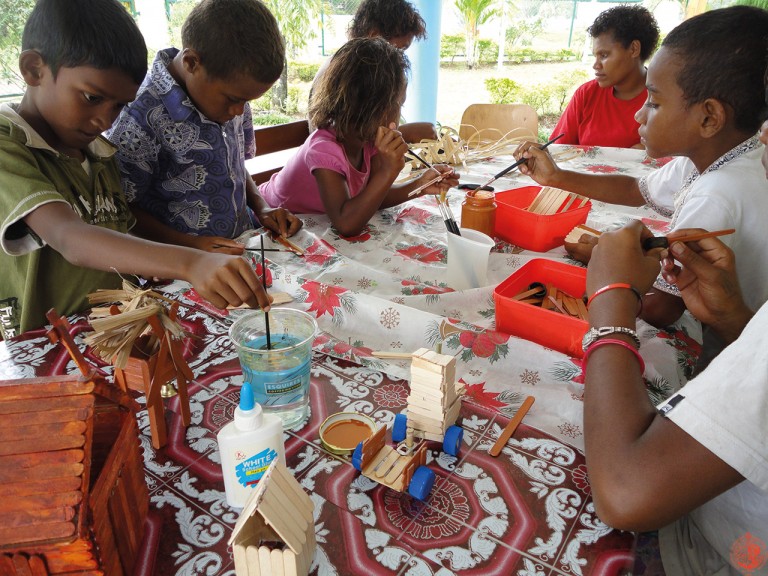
x=347 y=167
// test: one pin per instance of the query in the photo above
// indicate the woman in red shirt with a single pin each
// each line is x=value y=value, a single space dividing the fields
x=602 y=111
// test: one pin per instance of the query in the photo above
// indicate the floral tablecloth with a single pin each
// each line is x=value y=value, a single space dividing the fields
x=527 y=512
x=386 y=289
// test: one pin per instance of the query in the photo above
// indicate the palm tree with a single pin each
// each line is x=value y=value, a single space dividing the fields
x=474 y=13
x=295 y=19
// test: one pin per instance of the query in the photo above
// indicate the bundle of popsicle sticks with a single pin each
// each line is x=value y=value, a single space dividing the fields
x=550 y=297
x=551 y=200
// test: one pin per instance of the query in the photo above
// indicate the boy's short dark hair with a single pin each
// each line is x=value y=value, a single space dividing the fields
x=723 y=55
x=362 y=84
x=97 y=33
x=234 y=38
x=390 y=18
x=627 y=23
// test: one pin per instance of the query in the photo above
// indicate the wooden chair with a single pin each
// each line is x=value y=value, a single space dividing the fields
x=491 y=122
x=274 y=146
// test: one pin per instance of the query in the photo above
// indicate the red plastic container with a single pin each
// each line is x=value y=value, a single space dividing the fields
x=550 y=329
x=536 y=232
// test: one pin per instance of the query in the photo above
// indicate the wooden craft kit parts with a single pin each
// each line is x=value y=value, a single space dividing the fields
x=275 y=533
x=549 y=297
x=551 y=200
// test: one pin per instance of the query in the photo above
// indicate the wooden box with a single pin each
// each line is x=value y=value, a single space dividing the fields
x=72 y=474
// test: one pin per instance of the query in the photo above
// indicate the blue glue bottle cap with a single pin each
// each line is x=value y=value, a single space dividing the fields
x=248 y=414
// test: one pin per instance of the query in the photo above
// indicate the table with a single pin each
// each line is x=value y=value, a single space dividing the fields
x=526 y=512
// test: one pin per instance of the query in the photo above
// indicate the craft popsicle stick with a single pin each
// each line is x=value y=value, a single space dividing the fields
x=511 y=426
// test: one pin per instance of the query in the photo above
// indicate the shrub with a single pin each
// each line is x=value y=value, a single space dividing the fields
x=451 y=45
x=502 y=90
x=302 y=72
x=564 y=84
x=487 y=51
x=270 y=118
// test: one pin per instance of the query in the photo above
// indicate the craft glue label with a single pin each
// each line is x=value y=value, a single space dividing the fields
x=250 y=471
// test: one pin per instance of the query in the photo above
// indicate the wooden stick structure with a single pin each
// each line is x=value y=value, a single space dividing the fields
x=275 y=533
x=511 y=426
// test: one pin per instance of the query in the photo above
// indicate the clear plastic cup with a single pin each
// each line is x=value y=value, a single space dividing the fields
x=468 y=259
x=279 y=376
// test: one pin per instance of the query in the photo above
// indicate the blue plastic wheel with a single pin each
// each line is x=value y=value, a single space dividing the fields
x=399 y=427
x=421 y=483
x=452 y=440
x=357 y=457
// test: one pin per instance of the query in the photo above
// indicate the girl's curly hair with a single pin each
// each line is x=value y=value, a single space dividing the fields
x=360 y=89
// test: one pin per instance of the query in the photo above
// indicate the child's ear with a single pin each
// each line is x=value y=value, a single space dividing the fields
x=714 y=117
x=190 y=59
x=634 y=48
x=31 y=65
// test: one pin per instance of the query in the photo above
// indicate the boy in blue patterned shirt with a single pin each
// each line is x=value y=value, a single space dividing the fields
x=183 y=142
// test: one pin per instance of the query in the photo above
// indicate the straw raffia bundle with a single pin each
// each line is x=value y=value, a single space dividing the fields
x=117 y=327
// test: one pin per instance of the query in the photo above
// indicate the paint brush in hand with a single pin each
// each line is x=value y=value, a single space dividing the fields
x=516 y=164
x=264 y=283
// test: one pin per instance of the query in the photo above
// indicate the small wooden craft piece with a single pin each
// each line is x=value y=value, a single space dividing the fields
x=574 y=236
x=275 y=533
x=551 y=298
x=511 y=426
x=551 y=200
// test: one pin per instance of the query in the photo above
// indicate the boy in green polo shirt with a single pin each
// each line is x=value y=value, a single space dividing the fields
x=63 y=216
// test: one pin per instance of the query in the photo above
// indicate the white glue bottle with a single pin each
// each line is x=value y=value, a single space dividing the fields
x=247 y=446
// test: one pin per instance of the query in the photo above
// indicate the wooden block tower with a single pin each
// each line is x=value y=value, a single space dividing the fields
x=275 y=533
x=433 y=404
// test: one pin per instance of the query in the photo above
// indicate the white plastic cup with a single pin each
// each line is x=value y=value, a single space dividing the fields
x=468 y=259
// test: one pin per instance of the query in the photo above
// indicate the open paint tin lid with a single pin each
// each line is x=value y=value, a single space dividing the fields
x=340 y=433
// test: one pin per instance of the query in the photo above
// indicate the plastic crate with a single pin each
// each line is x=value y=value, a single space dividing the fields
x=536 y=232
x=551 y=329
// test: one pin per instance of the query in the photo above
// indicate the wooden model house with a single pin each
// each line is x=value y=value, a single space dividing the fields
x=71 y=474
x=275 y=533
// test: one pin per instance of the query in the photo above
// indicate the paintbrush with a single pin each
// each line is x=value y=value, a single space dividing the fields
x=266 y=250
x=264 y=283
x=665 y=241
x=515 y=165
x=445 y=208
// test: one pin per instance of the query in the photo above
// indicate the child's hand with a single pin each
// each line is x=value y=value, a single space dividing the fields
x=280 y=221
x=227 y=280
x=619 y=257
x=540 y=166
x=217 y=244
x=392 y=148
x=450 y=179
x=581 y=250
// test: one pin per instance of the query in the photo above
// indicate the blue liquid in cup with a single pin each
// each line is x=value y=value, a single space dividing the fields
x=279 y=378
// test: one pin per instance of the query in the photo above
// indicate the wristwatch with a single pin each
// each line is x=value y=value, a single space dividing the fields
x=594 y=334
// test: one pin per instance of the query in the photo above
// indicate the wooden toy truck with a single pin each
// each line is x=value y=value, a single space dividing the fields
x=433 y=406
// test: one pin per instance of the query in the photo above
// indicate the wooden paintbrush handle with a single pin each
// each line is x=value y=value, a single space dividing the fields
x=511 y=426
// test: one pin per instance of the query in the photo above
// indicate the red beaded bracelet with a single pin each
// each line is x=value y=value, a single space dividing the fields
x=603 y=342
x=624 y=285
